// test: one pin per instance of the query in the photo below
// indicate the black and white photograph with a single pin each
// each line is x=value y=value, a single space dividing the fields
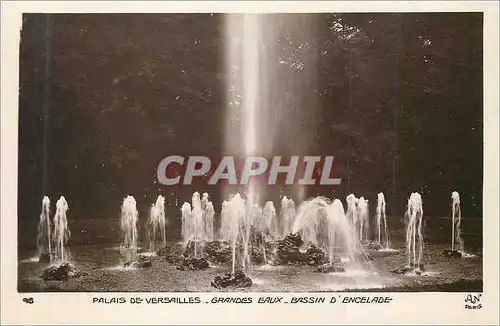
x=251 y=152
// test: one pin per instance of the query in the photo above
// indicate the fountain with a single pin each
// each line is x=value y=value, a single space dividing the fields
x=456 y=236
x=414 y=237
x=43 y=238
x=323 y=223
x=128 y=223
x=363 y=219
x=381 y=216
x=234 y=216
x=269 y=222
x=61 y=230
x=61 y=269
x=195 y=231
x=208 y=217
x=287 y=215
x=156 y=223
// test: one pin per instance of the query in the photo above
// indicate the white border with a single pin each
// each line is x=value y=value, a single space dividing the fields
x=406 y=308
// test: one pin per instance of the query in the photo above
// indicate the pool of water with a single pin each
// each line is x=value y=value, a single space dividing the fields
x=105 y=273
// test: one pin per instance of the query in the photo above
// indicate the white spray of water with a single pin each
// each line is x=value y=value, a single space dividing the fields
x=128 y=222
x=225 y=223
x=269 y=223
x=61 y=230
x=456 y=214
x=43 y=238
x=208 y=217
x=352 y=209
x=197 y=222
x=414 y=216
x=157 y=222
x=323 y=223
x=382 y=216
x=363 y=216
x=288 y=214
x=236 y=214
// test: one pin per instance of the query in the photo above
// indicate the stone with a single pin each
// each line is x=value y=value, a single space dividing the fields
x=61 y=272
x=452 y=254
x=238 y=280
x=409 y=269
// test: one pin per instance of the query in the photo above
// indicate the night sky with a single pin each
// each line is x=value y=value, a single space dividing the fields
x=104 y=97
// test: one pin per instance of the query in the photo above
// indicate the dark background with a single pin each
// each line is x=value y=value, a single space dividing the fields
x=103 y=98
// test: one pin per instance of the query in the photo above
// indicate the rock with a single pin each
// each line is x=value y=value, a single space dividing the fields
x=334 y=267
x=219 y=252
x=141 y=262
x=409 y=269
x=314 y=256
x=61 y=272
x=190 y=252
x=238 y=279
x=44 y=258
x=293 y=240
x=452 y=254
x=192 y=264
x=288 y=251
x=164 y=251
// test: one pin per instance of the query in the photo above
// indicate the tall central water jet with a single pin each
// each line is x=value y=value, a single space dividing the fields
x=61 y=230
x=266 y=63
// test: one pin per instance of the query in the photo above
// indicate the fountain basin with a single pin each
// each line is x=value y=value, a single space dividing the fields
x=238 y=280
x=61 y=272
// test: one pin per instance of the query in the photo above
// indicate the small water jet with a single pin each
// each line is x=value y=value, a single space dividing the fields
x=237 y=217
x=363 y=217
x=456 y=234
x=156 y=223
x=128 y=222
x=414 y=236
x=208 y=217
x=44 y=241
x=61 y=231
x=196 y=231
x=288 y=214
x=61 y=269
x=352 y=209
x=381 y=216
